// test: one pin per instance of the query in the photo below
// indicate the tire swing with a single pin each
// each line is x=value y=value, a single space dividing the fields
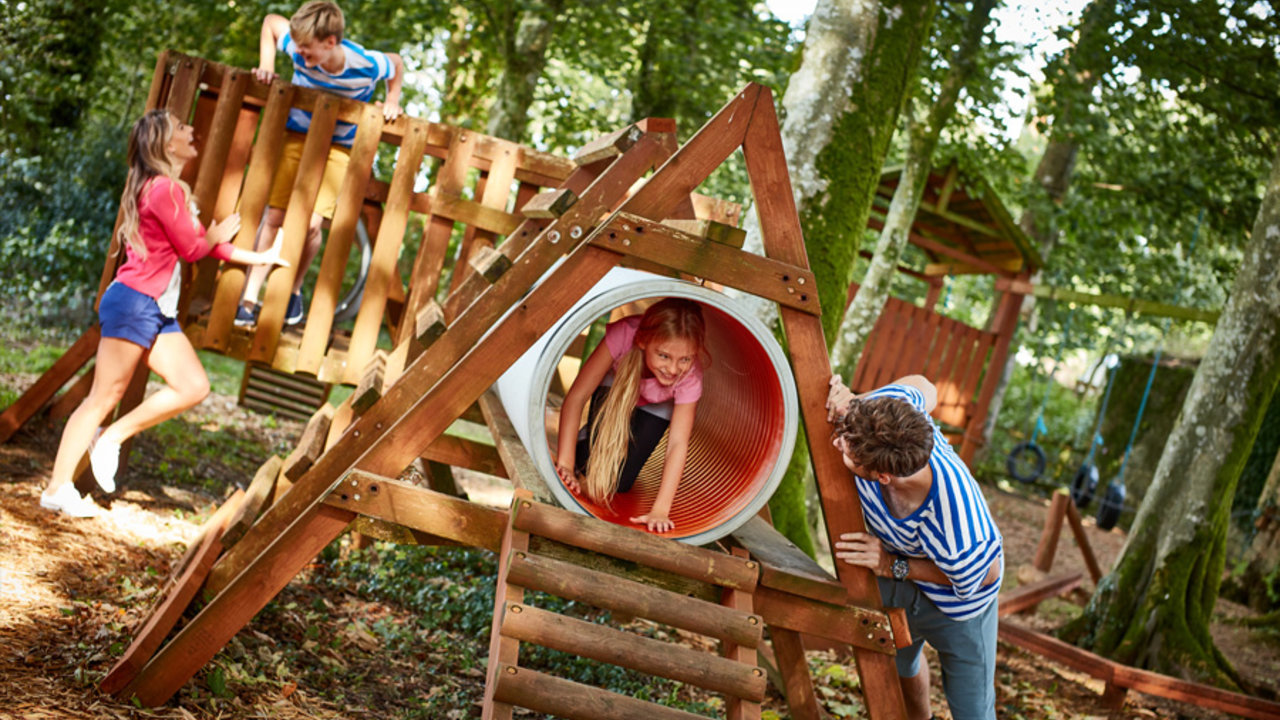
x=1027 y=461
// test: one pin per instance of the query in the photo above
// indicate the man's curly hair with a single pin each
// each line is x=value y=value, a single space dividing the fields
x=886 y=435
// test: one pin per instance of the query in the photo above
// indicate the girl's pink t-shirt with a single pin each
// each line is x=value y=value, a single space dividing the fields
x=169 y=232
x=620 y=336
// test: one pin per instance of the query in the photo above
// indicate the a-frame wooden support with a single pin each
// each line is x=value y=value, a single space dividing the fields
x=448 y=355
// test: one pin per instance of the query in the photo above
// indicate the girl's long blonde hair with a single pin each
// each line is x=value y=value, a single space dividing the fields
x=148 y=157
x=670 y=318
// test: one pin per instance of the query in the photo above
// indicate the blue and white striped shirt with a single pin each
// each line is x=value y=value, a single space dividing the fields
x=953 y=527
x=360 y=75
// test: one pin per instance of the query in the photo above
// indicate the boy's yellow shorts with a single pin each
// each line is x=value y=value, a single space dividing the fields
x=334 y=170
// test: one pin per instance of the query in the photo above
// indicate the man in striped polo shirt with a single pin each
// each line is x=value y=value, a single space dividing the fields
x=931 y=543
x=324 y=60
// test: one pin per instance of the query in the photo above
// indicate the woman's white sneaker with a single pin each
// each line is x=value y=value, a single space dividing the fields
x=69 y=501
x=104 y=458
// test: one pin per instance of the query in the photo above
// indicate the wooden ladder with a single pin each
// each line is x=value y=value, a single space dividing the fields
x=626 y=571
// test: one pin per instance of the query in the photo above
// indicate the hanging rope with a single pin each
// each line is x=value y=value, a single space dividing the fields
x=1113 y=502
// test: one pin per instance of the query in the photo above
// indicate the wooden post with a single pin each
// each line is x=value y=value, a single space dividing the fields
x=1052 y=529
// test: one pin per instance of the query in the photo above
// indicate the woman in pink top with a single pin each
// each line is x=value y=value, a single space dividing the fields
x=654 y=361
x=137 y=312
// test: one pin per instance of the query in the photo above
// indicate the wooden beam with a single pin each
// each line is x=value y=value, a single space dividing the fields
x=34 y=398
x=1131 y=305
x=656 y=242
x=519 y=464
x=1026 y=597
x=604 y=590
x=863 y=628
x=784 y=241
x=549 y=694
x=636 y=546
x=419 y=508
x=623 y=649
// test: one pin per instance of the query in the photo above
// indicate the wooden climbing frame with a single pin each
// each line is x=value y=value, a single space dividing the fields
x=534 y=233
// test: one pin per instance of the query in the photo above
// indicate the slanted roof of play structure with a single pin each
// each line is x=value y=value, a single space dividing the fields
x=962 y=226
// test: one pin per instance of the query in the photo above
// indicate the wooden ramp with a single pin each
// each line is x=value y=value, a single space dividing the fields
x=535 y=233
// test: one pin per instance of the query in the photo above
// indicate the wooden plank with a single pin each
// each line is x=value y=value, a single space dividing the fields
x=1058 y=651
x=1005 y=324
x=739 y=707
x=34 y=397
x=337 y=248
x=783 y=241
x=237 y=160
x=567 y=699
x=489 y=263
x=429 y=324
x=639 y=599
x=503 y=649
x=185 y=86
x=797 y=683
x=527 y=623
x=259 y=492
x=70 y=399
x=549 y=205
x=463 y=453
x=639 y=237
x=491 y=220
x=421 y=509
x=311 y=444
x=1131 y=305
x=1082 y=540
x=1026 y=597
x=785 y=567
x=213 y=162
x=369 y=390
x=449 y=182
x=864 y=628
x=224 y=615
x=716 y=232
x=519 y=464
x=1048 y=544
x=636 y=546
x=148 y=638
x=297 y=218
x=253 y=202
x=493 y=189
x=1198 y=694
x=383 y=271
x=609 y=145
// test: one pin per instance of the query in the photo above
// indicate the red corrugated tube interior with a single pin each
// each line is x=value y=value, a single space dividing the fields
x=737 y=434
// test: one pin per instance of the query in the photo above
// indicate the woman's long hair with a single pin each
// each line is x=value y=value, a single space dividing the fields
x=148 y=157
x=671 y=318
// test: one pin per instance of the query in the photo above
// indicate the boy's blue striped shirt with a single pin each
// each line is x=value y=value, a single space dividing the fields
x=953 y=527
x=360 y=75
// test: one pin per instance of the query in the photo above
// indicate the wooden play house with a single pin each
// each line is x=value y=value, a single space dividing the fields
x=533 y=232
x=961 y=228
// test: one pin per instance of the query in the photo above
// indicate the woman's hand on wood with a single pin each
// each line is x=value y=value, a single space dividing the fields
x=220 y=232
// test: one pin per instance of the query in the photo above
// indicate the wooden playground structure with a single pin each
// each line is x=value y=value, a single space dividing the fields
x=533 y=232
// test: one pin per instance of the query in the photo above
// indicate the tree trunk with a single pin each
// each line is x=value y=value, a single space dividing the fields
x=841 y=107
x=1053 y=175
x=1153 y=610
x=523 y=62
x=861 y=316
